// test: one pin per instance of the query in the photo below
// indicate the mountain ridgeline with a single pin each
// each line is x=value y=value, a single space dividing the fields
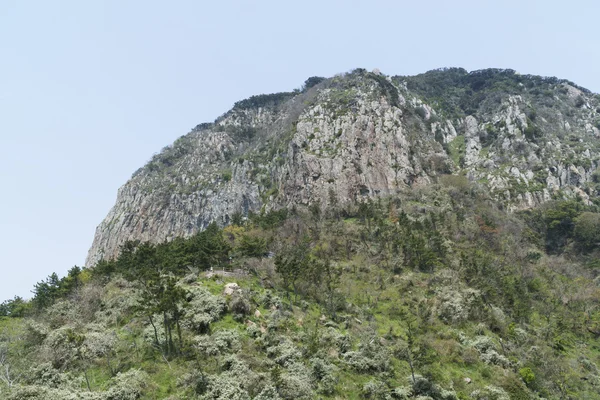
x=362 y=135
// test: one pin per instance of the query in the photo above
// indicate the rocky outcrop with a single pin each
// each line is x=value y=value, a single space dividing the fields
x=362 y=135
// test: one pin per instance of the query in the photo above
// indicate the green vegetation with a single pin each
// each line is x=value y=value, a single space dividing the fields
x=532 y=132
x=435 y=293
x=264 y=100
x=456 y=150
x=458 y=93
x=311 y=82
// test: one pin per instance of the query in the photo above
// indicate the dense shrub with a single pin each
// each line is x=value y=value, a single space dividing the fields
x=203 y=309
x=264 y=100
x=587 y=230
x=240 y=305
x=490 y=393
x=376 y=390
x=128 y=385
x=370 y=357
x=296 y=382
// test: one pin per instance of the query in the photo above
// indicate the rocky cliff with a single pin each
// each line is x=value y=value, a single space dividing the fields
x=360 y=135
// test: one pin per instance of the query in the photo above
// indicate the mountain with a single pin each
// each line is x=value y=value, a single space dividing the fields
x=360 y=135
x=434 y=237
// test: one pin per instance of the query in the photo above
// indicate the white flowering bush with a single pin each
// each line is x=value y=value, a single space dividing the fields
x=61 y=346
x=203 y=309
x=482 y=343
x=220 y=342
x=128 y=385
x=371 y=356
x=227 y=340
x=35 y=331
x=235 y=367
x=269 y=392
x=253 y=330
x=240 y=305
x=423 y=387
x=488 y=351
x=519 y=335
x=278 y=320
x=148 y=333
x=224 y=387
x=332 y=338
x=194 y=380
x=493 y=357
x=44 y=382
x=296 y=382
x=235 y=382
x=497 y=318
x=118 y=301
x=324 y=374
x=376 y=390
x=490 y=393
x=97 y=342
x=402 y=393
x=455 y=306
x=284 y=352
x=45 y=374
x=62 y=313
x=588 y=365
x=37 y=392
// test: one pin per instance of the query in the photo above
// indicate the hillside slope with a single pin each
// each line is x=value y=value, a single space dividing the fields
x=434 y=293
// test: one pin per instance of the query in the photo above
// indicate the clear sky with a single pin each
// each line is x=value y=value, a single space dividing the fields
x=89 y=90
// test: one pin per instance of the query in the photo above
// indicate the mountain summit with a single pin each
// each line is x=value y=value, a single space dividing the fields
x=361 y=135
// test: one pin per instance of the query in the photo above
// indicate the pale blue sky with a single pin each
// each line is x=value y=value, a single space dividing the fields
x=89 y=90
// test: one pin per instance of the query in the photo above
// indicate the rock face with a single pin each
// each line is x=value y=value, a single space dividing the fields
x=361 y=135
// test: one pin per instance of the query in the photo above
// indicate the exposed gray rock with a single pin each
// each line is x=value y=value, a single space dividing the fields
x=353 y=137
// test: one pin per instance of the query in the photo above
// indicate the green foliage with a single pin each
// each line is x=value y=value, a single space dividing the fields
x=168 y=156
x=555 y=222
x=392 y=298
x=291 y=264
x=203 y=126
x=264 y=100
x=45 y=293
x=270 y=219
x=206 y=249
x=527 y=375
x=456 y=150
x=128 y=385
x=587 y=230
x=15 y=308
x=226 y=175
x=459 y=93
x=490 y=393
x=203 y=309
x=532 y=132
x=312 y=81
x=252 y=246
